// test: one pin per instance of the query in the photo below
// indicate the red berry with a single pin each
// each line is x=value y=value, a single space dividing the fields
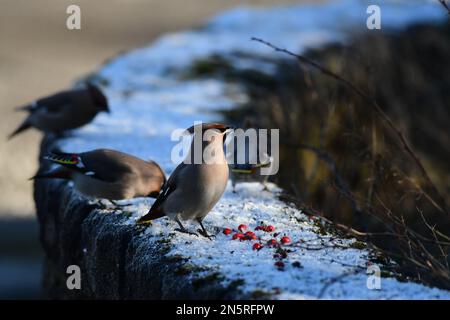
x=259 y=228
x=270 y=229
x=279 y=264
x=285 y=240
x=257 y=246
x=272 y=242
x=250 y=237
x=237 y=236
x=227 y=231
x=242 y=227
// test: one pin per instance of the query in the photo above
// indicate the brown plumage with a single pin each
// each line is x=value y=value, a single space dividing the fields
x=63 y=111
x=107 y=174
x=193 y=189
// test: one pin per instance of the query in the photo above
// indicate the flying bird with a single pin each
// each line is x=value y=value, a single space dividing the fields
x=107 y=174
x=63 y=111
x=193 y=189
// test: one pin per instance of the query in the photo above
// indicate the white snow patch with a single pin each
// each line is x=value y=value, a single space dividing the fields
x=148 y=101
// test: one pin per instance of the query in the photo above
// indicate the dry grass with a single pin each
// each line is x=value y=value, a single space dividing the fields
x=387 y=181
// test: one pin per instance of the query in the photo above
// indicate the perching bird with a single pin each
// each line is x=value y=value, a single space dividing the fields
x=192 y=189
x=249 y=173
x=107 y=174
x=63 y=111
x=250 y=169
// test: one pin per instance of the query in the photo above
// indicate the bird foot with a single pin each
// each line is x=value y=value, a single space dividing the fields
x=103 y=206
x=205 y=234
x=186 y=231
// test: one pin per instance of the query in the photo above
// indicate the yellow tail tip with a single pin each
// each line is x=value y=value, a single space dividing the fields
x=144 y=222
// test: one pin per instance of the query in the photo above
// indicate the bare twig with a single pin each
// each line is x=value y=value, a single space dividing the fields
x=336 y=280
x=323 y=155
x=445 y=5
x=371 y=102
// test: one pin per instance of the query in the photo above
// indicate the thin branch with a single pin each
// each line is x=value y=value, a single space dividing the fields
x=336 y=280
x=445 y=5
x=324 y=156
x=371 y=102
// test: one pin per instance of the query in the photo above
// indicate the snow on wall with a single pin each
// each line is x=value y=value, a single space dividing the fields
x=149 y=100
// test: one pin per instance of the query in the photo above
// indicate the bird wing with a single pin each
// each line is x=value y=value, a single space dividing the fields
x=156 y=211
x=105 y=165
x=110 y=165
x=51 y=104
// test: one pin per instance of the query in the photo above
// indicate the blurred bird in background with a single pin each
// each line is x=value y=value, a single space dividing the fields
x=63 y=111
x=250 y=169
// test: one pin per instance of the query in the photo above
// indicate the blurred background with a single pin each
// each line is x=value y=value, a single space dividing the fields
x=39 y=56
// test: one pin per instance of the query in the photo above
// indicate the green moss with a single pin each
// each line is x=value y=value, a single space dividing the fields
x=260 y=295
x=127 y=213
x=186 y=269
x=211 y=66
x=164 y=245
x=358 y=245
x=210 y=278
x=321 y=228
x=219 y=66
x=177 y=258
x=236 y=283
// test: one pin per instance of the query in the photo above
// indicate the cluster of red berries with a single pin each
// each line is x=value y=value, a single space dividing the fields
x=265 y=228
x=243 y=234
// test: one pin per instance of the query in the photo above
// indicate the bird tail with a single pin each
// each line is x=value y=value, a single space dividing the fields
x=28 y=108
x=153 y=214
x=24 y=126
x=69 y=160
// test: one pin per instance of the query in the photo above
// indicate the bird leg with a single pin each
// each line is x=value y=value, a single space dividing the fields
x=182 y=229
x=203 y=231
x=102 y=205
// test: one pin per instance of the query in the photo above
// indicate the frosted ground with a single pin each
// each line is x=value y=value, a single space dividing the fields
x=149 y=100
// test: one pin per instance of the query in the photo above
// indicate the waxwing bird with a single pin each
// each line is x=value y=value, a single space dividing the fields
x=249 y=173
x=63 y=111
x=194 y=188
x=250 y=169
x=107 y=174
